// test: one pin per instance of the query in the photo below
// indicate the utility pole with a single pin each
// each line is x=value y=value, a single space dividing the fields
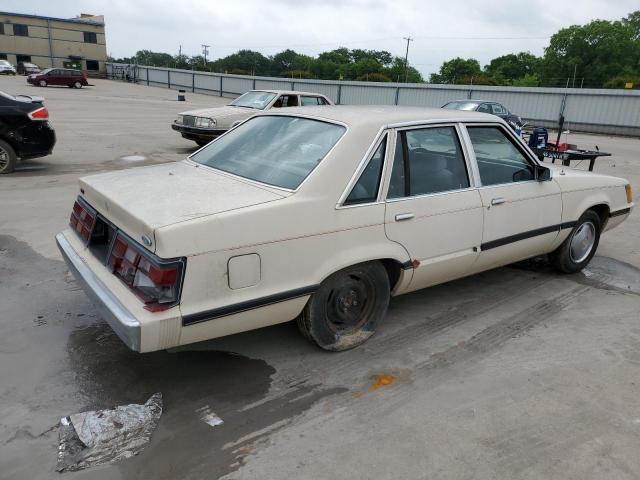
x=575 y=67
x=406 y=59
x=205 y=51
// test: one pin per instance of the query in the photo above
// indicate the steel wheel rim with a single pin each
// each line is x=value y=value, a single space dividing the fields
x=349 y=304
x=582 y=242
x=4 y=158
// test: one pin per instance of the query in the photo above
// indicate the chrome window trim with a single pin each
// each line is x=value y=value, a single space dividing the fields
x=465 y=157
x=364 y=162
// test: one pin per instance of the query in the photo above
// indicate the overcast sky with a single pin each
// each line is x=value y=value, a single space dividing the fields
x=442 y=29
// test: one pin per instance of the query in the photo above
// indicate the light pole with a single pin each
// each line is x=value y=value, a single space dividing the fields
x=406 y=59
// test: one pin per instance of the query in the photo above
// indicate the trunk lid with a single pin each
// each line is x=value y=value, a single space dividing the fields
x=140 y=200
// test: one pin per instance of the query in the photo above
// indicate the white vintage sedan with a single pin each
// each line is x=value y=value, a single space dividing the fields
x=205 y=124
x=321 y=214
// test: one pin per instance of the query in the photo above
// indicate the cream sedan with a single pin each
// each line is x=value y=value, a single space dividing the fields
x=205 y=124
x=322 y=214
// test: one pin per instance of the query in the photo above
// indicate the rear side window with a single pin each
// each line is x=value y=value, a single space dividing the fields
x=309 y=101
x=499 y=159
x=366 y=188
x=427 y=160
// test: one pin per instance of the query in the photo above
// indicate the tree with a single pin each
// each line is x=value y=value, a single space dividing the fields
x=596 y=51
x=289 y=60
x=246 y=61
x=512 y=66
x=453 y=70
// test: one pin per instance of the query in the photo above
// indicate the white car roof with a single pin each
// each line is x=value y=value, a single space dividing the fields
x=384 y=115
x=289 y=92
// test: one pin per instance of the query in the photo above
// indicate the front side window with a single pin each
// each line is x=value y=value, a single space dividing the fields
x=286 y=101
x=484 y=108
x=257 y=100
x=276 y=150
x=366 y=188
x=427 y=160
x=20 y=30
x=499 y=159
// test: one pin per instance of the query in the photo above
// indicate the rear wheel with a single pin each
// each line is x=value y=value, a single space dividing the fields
x=344 y=312
x=578 y=249
x=42 y=83
x=8 y=158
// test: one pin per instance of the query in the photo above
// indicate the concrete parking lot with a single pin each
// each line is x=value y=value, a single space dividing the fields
x=517 y=373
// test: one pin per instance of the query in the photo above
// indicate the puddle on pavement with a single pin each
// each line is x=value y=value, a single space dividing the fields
x=193 y=383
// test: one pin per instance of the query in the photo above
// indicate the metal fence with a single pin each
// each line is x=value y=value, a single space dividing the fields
x=588 y=110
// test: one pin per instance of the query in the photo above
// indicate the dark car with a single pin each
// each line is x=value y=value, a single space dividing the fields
x=59 y=76
x=486 y=106
x=27 y=68
x=25 y=131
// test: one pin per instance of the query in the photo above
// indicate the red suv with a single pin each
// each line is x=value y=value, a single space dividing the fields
x=59 y=76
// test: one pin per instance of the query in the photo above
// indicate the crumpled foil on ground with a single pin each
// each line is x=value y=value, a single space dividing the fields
x=104 y=436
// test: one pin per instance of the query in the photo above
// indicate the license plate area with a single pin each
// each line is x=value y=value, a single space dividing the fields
x=102 y=238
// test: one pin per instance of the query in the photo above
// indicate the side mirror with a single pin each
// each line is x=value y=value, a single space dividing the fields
x=543 y=174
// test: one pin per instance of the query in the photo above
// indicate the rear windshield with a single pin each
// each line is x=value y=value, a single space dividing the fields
x=461 y=105
x=276 y=150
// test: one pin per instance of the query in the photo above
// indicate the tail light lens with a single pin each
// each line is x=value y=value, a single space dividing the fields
x=82 y=219
x=156 y=282
x=40 y=114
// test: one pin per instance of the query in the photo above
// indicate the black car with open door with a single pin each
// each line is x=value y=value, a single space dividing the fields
x=25 y=131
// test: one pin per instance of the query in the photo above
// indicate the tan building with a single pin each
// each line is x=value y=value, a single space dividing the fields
x=54 y=42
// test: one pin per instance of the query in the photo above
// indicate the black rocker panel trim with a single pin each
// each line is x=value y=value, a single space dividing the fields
x=248 y=305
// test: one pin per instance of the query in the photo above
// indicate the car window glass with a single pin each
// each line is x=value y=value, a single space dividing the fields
x=498 y=109
x=366 y=188
x=309 y=101
x=499 y=160
x=249 y=150
x=484 y=108
x=432 y=158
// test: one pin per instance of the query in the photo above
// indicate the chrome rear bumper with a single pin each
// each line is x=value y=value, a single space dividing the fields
x=117 y=316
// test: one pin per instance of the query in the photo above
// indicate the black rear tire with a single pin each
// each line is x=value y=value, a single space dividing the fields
x=345 y=311
x=574 y=254
x=8 y=158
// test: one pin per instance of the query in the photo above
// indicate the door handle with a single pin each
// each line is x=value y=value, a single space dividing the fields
x=404 y=216
x=497 y=201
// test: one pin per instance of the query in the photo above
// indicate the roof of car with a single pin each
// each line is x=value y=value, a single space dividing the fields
x=288 y=92
x=377 y=116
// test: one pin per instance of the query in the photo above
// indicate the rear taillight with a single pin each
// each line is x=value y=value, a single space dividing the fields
x=40 y=114
x=156 y=282
x=82 y=219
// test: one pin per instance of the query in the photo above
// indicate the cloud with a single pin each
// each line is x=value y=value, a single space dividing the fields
x=442 y=29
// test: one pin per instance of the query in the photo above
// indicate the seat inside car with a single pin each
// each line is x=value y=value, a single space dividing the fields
x=429 y=173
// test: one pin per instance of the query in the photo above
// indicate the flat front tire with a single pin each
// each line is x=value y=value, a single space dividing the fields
x=345 y=311
x=580 y=246
x=8 y=158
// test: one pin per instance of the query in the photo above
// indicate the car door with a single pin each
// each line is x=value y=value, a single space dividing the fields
x=522 y=216
x=432 y=206
x=54 y=77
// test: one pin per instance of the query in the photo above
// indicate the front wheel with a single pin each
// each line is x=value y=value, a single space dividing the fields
x=42 y=83
x=202 y=143
x=77 y=85
x=8 y=158
x=344 y=312
x=578 y=249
